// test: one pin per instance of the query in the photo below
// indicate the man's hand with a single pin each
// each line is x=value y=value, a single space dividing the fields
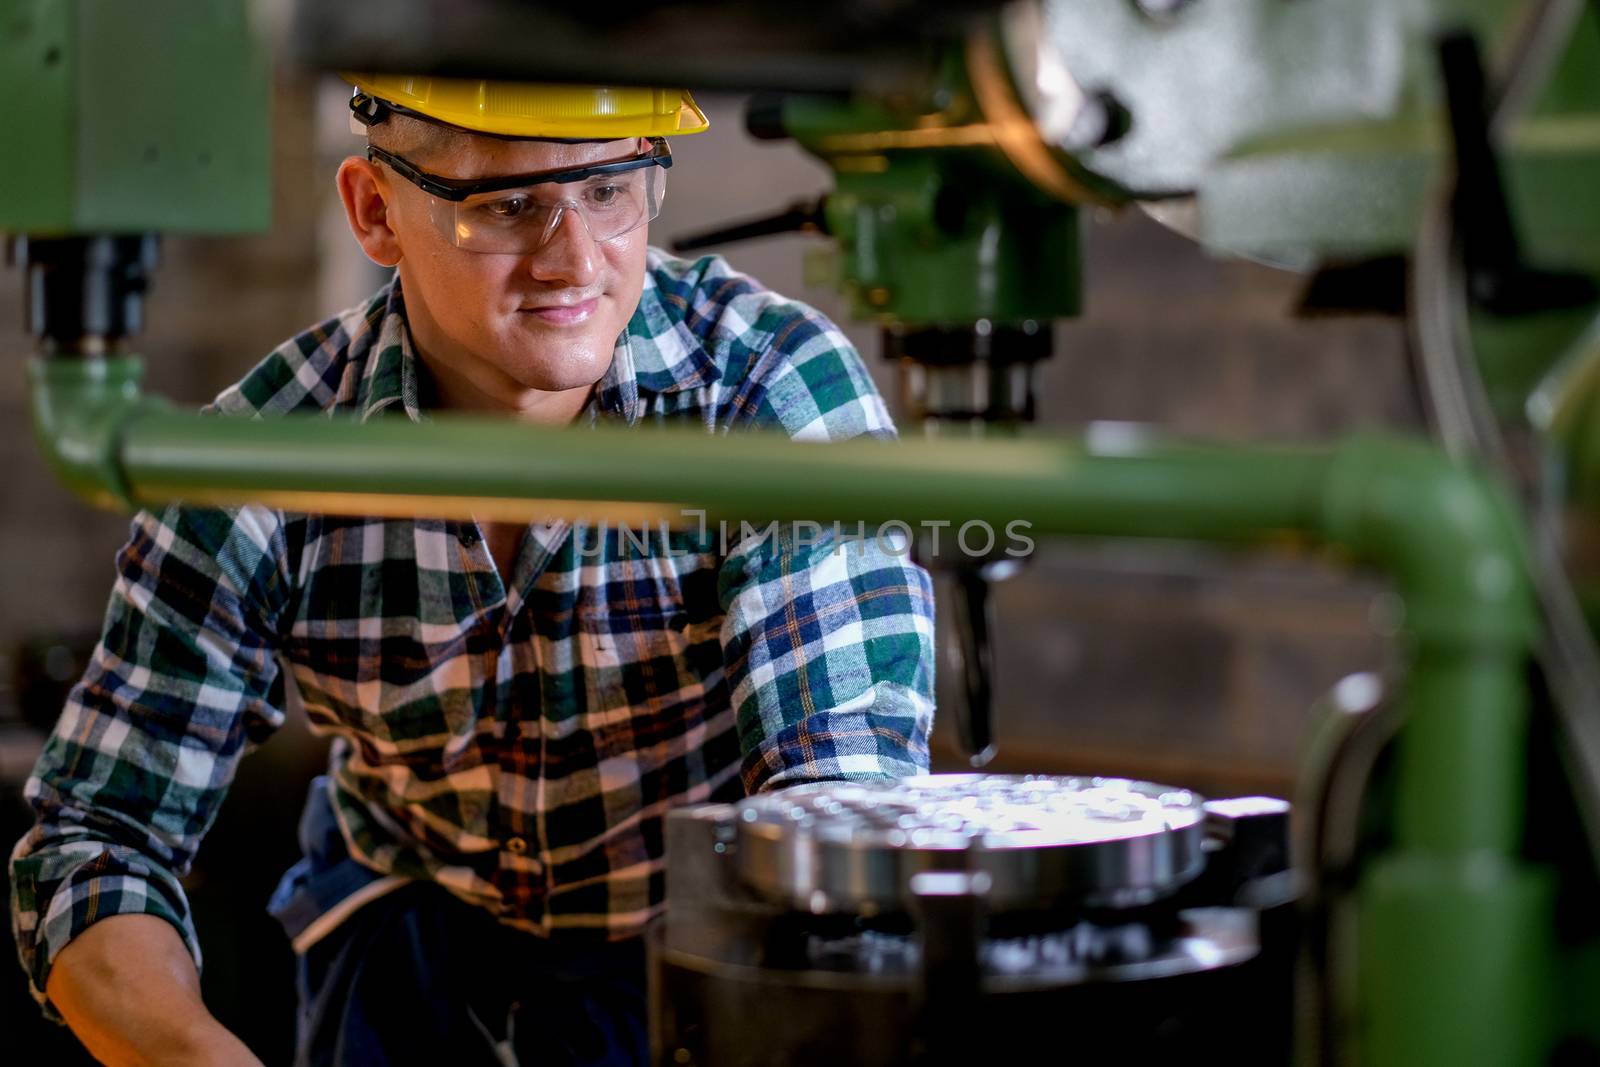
x=129 y=990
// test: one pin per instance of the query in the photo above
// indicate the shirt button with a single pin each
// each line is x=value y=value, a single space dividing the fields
x=517 y=845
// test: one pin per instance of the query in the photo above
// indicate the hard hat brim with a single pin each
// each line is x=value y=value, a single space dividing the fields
x=536 y=112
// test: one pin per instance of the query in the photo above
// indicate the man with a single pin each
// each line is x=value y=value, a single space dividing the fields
x=514 y=707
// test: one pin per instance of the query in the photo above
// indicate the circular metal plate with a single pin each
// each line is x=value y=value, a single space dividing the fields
x=840 y=847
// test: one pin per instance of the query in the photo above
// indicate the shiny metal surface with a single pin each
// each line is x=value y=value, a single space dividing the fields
x=857 y=1001
x=1043 y=841
x=1204 y=939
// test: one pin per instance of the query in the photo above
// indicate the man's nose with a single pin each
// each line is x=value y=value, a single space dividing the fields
x=569 y=254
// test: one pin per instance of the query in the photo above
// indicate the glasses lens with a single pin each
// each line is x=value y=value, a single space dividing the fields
x=519 y=221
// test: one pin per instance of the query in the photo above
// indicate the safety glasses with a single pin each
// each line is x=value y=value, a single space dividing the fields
x=518 y=214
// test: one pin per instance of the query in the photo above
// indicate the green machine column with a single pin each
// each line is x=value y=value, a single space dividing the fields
x=1455 y=931
x=141 y=117
x=934 y=225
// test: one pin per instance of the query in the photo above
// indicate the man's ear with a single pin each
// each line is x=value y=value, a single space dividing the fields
x=366 y=205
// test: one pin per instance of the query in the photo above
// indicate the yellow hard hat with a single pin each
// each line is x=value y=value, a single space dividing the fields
x=523 y=109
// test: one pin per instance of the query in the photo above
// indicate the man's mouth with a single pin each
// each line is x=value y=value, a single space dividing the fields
x=563 y=314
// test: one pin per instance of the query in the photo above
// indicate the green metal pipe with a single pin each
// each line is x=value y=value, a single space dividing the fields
x=107 y=444
x=1447 y=538
x=1454 y=930
x=1055 y=485
x=1456 y=962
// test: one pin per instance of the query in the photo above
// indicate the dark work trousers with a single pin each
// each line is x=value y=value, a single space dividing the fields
x=420 y=977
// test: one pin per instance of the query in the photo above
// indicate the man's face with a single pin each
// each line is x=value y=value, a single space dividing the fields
x=546 y=320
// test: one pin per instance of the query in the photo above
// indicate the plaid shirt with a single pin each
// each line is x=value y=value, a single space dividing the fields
x=517 y=740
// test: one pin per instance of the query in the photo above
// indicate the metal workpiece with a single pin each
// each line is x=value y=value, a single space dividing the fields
x=702 y=875
x=1040 y=842
x=1181 y=998
x=1247 y=840
x=935 y=920
x=951 y=911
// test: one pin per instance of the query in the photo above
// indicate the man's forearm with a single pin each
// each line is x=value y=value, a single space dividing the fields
x=129 y=990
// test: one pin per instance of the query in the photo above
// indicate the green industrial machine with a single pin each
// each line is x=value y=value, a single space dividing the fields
x=1440 y=154
x=136 y=120
x=139 y=118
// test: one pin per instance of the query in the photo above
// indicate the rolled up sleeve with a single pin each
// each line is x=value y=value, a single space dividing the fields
x=181 y=684
x=830 y=654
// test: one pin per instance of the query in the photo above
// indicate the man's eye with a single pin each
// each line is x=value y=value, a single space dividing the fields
x=605 y=195
x=509 y=208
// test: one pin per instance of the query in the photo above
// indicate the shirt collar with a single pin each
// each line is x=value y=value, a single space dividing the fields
x=667 y=354
x=657 y=353
x=389 y=378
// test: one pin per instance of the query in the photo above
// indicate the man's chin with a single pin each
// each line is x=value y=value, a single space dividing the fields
x=569 y=370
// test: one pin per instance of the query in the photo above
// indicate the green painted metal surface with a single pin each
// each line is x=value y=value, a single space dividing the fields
x=79 y=408
x=38 y=65
x=949 y=238
x=1460 y=777
x=1455 y=938
x=1443 y=532
x=1457 y=962
x=934 y=226
x=1455 y=941
x=1354 y=191
x=134 y=117
x=1565 y=406
x=1521 y=356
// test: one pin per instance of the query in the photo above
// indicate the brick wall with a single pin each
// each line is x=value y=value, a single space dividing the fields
x=1184 y=665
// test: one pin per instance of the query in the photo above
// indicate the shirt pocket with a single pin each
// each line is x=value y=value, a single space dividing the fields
x=635 y=676
x=650 y=655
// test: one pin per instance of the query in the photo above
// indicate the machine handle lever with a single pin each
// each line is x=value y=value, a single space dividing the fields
x=803 y=216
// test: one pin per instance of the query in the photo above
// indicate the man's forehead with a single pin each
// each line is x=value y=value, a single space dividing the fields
x=494 y=157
